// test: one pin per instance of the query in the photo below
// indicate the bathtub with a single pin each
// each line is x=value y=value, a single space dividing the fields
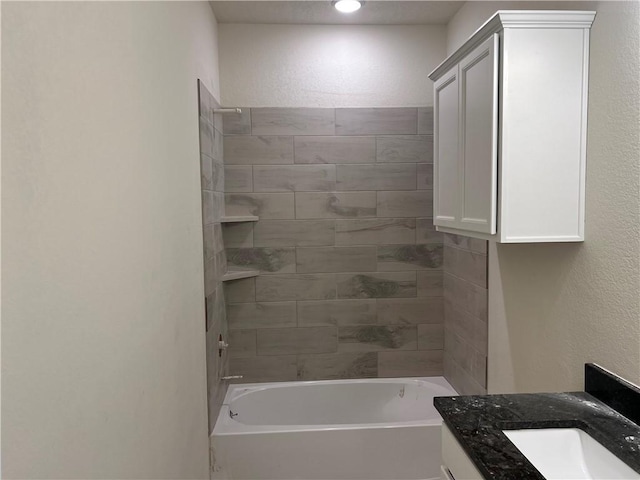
x=336 y=429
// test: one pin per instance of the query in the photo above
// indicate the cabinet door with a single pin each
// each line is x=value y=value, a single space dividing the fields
x=478 y=76
x=446 y=171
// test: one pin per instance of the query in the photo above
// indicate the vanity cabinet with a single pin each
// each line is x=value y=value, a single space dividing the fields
x=456 y=464
x=510 y=110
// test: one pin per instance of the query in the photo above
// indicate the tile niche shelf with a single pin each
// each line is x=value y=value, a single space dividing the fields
x=238 y=218
x=238 y=274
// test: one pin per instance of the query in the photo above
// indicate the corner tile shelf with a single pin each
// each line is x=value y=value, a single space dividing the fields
x=238 y=274
x=239 y=218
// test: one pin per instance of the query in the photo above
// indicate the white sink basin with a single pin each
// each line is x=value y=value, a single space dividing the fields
x=569 y=453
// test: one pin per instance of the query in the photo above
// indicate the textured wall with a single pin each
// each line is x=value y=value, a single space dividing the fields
x=351 y=282
x=473 y=14
x=465 y=314
x=554 y=307
x=103 y=347
x=215 y=260
x=329 y=65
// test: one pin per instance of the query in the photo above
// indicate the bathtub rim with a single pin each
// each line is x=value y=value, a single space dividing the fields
x=225 y=425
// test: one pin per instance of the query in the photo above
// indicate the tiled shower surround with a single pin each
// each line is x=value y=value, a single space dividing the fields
x=465 y=318
x=212 y=179
x=351 y=281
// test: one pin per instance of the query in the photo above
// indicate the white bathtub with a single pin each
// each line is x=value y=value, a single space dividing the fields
x=337 y=429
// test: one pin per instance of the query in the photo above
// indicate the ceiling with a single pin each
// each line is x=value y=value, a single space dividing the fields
x=373 y=12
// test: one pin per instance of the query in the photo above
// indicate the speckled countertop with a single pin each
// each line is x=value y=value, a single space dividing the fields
x=477 y=423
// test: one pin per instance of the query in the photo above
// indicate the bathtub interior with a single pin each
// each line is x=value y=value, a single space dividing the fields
x=333 y=403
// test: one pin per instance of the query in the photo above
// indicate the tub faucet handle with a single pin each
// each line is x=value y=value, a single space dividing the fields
x=232 y=377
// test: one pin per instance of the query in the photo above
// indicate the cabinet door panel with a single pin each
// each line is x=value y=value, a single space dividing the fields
x=446 y=199
x=479 y=149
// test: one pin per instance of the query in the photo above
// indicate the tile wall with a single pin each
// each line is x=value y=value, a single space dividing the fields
x=351 y=281
x=465 y=317
x=212 y=179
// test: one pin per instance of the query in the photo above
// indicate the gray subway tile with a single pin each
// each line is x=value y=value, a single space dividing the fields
x=465 y=264
x=479 y=368
x=377 y=285
x=410 y=311
x=284 y=341
x=216 y=309
x=238 y=178
x=335 y=259
x=218 y=241
x=430 y=283
x=376 y=121
x=404 y=148
x=337 y=366
x=208 y=207
x=237 y=123
x=270 y=288
x=372 y=338
x=240 y=291
x=430 y=337
x=242 y=343
x=294 y=178
x=405 y=204
x=304 y=233
x=280 y=368
x=218 y=146
x=401 y=176
x=265 y=259
x=204 y=98
x=422 y=363
x=407 y=257
x=336 y=312
x=258 y=150
x=336 y=205
x=238 y=235
x=467 y=296
x=480 y=340
x=206 y=172
x=466 y=243
x=462 y=381
x=424 y=176
x=261 y=315
x=206 y=137
x=211 y=281
x=335 y=150
x=292 y=121
x=209 y=241
x=426 y=232
x=217 y=175
x=459 y=322
x=264 y=205
x=375 y=231
x=218 y=206
x=425 y=121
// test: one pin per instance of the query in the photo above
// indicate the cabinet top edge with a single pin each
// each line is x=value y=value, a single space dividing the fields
x=503 y=19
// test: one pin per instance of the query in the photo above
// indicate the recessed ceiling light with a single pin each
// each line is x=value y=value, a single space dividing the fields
x=347 y=6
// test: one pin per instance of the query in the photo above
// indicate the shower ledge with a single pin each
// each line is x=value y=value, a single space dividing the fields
x=238 y=218
x=238 y=274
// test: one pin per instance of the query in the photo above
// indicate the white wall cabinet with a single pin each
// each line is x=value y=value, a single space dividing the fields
x=510 y=112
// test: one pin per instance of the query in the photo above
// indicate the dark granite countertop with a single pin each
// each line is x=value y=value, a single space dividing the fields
x=477 y=423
